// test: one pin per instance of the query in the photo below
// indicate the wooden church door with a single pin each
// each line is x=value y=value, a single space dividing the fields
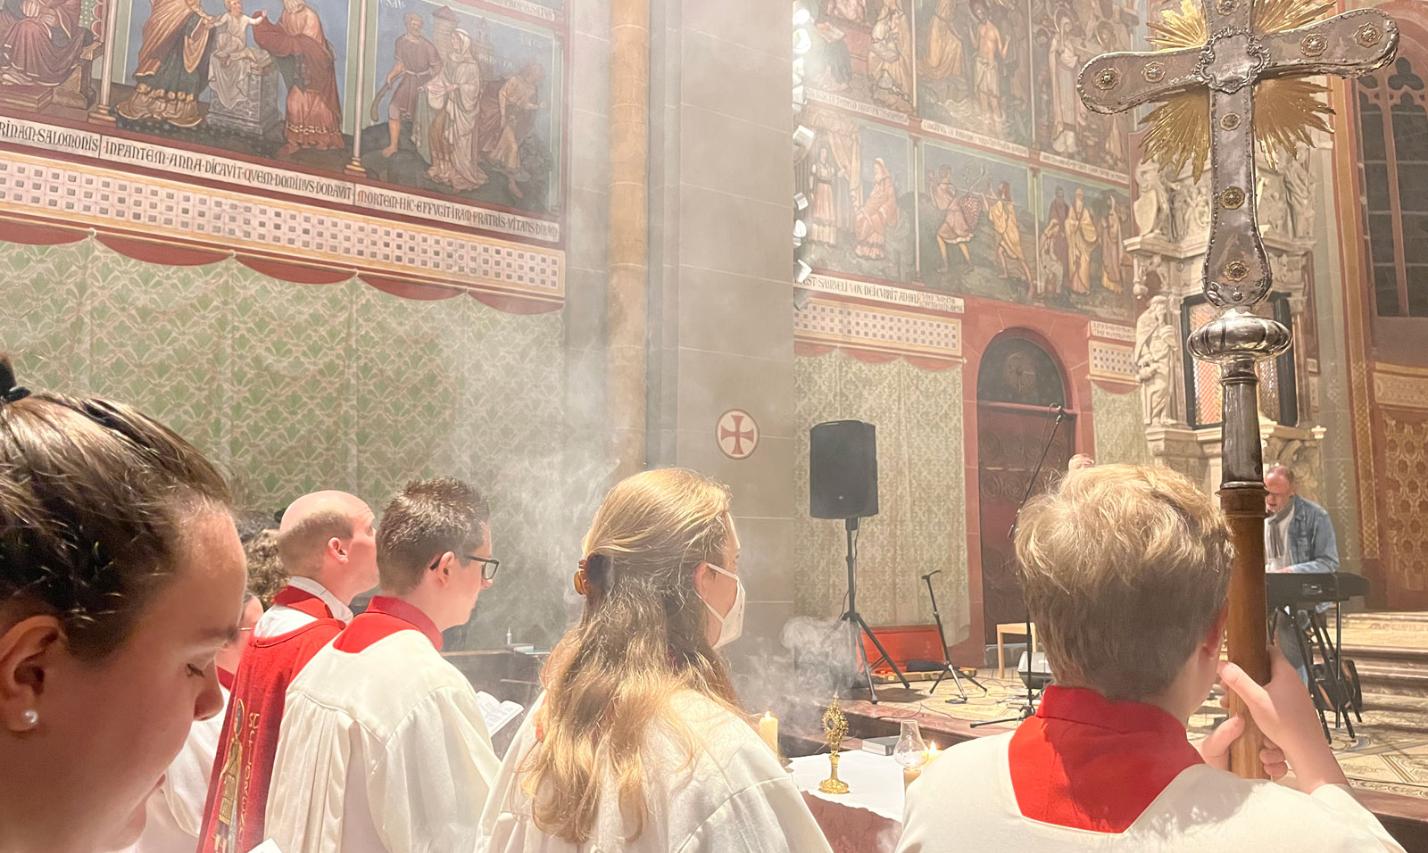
x=1019 y=386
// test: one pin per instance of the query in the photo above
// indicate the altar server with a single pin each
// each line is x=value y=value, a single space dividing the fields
x=121 y=576
x=327 y=544
x=639 y=743
x=1126 y=570
x=383 y=746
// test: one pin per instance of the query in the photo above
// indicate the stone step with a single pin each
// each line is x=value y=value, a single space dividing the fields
x=1386 y=654
x=1393 y=678
x=1399 y=630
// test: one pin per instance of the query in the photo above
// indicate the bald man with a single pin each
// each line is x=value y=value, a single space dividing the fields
x=327 y=545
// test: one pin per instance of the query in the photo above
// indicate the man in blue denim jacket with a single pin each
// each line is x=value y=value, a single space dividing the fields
x=1298 y=537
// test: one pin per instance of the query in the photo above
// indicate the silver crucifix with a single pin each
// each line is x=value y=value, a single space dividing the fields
x=1237 y=274
x=1228 y=65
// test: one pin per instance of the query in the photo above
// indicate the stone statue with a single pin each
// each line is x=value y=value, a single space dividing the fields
x=1299 y=186
x=1151 y=201
x=1273 y=211
x=1154 y=357
x=1289 y=272
x=1190 y=209
x=1148 y=272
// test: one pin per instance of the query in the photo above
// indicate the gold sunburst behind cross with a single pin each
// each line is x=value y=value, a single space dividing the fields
x=1178 y=131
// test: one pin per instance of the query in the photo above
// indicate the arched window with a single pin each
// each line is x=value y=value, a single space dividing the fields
x=1393 y=152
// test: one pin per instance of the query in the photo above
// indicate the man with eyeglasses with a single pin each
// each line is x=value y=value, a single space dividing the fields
x=383 y=746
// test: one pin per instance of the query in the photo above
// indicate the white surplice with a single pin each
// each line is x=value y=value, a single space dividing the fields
x=965 y=800
x=381 y=750
x=732 y=797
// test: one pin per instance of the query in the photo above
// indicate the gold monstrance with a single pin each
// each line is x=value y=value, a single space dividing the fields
x=835 y=728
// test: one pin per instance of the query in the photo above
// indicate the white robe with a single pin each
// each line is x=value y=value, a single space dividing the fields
x=967 y=794
x=732 y=798
x=280 y=619
x=175 y=810
x=381 y=750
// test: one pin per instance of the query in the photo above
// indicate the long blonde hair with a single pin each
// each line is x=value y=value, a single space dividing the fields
x=641 y=640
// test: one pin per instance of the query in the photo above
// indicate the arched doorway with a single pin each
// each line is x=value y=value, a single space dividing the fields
x=1019 y=386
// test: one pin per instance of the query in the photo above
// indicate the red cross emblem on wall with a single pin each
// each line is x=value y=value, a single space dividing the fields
x=737 y=434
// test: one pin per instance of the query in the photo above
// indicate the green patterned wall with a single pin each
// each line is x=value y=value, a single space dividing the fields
x=294 y=387
x=1120 y=432
x=922 y=522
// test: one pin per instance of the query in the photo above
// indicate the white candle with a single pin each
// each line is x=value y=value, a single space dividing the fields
x=768 y=730
x=932 y=753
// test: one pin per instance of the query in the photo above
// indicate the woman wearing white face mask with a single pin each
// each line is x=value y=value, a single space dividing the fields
x=638 y=744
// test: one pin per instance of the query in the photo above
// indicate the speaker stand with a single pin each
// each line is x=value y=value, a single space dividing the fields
x=858 y=625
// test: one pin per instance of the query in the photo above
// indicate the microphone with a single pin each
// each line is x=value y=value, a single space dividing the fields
x=930 y=574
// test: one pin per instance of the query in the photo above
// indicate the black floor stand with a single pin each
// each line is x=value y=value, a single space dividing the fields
x=947 y=667
x=1329 y=674
x=858 y=625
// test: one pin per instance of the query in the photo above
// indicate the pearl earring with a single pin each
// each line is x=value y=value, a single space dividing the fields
x=29 y=718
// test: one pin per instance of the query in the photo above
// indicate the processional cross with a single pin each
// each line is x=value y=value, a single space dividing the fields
x=1238 y=52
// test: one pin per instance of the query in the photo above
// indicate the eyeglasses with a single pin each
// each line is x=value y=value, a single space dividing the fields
x=488 y=566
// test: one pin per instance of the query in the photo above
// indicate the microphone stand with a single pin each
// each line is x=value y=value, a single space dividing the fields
x=1030 y=707
x=947 y=667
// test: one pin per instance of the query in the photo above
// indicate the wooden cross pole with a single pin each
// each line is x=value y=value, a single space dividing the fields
x=1241 y=44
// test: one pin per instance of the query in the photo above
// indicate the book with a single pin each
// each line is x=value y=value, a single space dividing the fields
x=497 y=714
x=880 y=745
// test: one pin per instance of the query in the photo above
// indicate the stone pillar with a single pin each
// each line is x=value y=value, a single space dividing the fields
x=627 y=299
x=721 y=303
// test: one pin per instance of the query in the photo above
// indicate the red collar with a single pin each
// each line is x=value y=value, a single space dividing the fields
x=225 y=678
x=303 y=601
x=1087 y=762
x=382 y=618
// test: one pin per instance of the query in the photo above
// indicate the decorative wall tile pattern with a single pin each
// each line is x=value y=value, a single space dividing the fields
x=1406 y=501
x=102 y=197
x=830 y=321
x=1111 y=361
x=1120 y=435
x=921 y=525
x=1405 y=390
x=296 y=387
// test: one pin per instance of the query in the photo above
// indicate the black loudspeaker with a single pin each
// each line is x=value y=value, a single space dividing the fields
x=843 y=470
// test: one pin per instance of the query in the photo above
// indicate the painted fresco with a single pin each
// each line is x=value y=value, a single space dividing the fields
x=977 y=224
x=864 y=53
x=463 y=105
x=1065 y=34
x=425 y=100
x=1082 y=263
x=974 y=67
x=998 y=130
x=858 y=179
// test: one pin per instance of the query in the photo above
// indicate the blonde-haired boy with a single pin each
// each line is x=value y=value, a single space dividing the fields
x=1126 y=571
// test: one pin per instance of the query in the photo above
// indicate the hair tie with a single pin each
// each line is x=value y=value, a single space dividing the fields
x=14 y=395
x=593 y=564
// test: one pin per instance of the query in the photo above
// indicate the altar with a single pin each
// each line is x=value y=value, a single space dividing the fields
x=869 y=817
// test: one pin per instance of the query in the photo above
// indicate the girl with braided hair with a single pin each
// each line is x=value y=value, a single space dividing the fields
x=121 y=578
